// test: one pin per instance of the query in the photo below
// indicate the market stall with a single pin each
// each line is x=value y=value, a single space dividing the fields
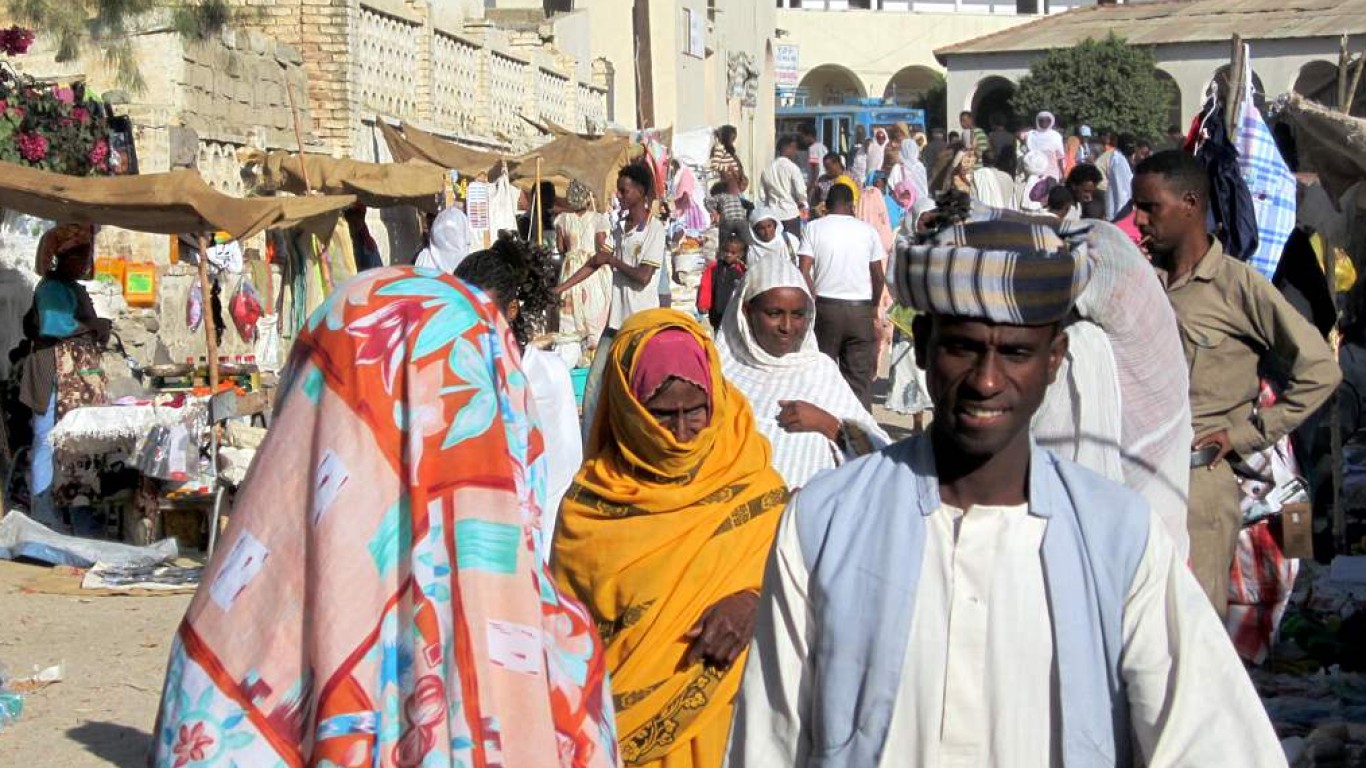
x=104 y=438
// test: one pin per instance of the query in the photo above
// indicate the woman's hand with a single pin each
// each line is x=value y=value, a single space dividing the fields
x=723 y=632
x=798 y=416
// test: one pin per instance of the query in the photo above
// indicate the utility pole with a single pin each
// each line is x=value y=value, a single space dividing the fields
x=645 y=86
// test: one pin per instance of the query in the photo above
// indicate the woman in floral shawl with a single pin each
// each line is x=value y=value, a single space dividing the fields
x=379 y=598
x=664 y=535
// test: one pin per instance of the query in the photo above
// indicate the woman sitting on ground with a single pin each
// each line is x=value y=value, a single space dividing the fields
x=378 y=598
x=801 y=402
x=665 y=534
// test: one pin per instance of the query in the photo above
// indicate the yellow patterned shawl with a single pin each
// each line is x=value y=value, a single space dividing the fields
x=653 y=533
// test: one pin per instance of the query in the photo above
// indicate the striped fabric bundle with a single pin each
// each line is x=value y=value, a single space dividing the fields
x=1005 y=268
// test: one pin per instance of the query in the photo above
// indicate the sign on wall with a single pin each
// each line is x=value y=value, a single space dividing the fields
x=786 y=64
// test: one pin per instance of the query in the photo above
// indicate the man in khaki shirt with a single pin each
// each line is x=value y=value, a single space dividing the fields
x=1234 y=325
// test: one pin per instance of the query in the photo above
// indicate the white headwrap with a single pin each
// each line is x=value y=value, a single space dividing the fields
x=804 y=374
x=450 y=242
x=781 y=245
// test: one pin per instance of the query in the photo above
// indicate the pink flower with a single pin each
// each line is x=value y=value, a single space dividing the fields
x=32 y=146
x=99 y=154
x=64 y=95
x=80 y=115
x=191 y=744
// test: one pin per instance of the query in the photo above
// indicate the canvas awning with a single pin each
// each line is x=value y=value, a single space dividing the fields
x=376 y=185
x=407 y=144
x=167 y=203
x=1334 y=143
x=594 y=161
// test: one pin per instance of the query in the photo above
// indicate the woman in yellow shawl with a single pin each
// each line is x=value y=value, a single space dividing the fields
x=664 y=536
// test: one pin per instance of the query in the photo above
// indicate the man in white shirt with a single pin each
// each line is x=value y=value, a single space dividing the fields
x=815 y=153
x=782 y=187
x=965 y=599
x=842 y=260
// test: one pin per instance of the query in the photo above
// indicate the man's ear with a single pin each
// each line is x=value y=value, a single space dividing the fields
x=1057 y=350
x=921 y=328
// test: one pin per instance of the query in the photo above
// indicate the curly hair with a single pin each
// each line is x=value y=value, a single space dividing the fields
x=640 y=174
x=514 y=270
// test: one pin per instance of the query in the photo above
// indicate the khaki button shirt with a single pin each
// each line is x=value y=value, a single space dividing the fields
x=1231 y=319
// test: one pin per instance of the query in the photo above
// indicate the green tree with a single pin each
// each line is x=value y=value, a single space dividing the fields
x=1107 y=84
x=935 y=102
x=109 y=25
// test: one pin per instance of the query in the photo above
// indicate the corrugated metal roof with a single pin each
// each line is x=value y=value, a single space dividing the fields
x=1177 y=21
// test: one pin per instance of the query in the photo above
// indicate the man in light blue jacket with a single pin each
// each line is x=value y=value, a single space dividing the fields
x=964 y=598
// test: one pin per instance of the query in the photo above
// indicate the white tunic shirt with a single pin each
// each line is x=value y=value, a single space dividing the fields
x=979 y=687
x=644 y=245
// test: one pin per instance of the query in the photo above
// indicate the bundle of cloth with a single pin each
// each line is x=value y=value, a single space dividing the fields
x=1120 y=404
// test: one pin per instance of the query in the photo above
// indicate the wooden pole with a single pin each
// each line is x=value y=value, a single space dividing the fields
x=298 y=136
x=1352 y=87
x=644 y=64
x=210 y=332
x=538 y=207
x=1233 y=95
x=1343 y=71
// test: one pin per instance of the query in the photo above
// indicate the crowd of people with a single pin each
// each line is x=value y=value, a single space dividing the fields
x=735 y=563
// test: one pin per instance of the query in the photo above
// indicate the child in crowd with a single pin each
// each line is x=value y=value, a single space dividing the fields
x=729 y=210
x=722 y=277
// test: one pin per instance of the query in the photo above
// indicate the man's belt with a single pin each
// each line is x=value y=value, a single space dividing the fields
x=845 y=302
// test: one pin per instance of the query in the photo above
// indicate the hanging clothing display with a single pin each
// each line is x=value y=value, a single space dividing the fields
x=1230 y=200
x=1270 y=183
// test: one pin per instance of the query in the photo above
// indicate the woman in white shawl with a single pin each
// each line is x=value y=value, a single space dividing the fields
x=1045 y=140
x=1032 y=195
x=769 y=239
x=910 y=169
x=801 y=402
x=448 y=244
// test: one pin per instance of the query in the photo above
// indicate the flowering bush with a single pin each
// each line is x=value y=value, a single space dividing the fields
x=44 y=126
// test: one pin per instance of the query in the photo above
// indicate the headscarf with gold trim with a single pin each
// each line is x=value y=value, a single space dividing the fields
x=653 y=533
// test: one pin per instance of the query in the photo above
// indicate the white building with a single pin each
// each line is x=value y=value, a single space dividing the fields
x=1293 y=47
x=885 y=48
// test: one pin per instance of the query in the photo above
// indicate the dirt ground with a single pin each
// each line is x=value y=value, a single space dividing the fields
x=114 y=651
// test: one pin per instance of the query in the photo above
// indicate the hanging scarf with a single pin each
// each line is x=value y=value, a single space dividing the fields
x=379 y=597
x=654 y=532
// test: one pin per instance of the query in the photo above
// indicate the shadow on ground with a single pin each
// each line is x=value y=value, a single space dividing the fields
x=117 y=744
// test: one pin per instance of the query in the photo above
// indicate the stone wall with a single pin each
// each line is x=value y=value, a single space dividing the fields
x=439 y=65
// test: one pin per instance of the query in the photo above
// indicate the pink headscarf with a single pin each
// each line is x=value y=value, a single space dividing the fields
x=670 y=354
x=906 y=186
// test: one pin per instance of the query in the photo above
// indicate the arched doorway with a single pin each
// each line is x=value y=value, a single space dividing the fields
x=1318 y=82
x=991 y=103
x=831 y=84
x=910 y=85
x=1174 y=111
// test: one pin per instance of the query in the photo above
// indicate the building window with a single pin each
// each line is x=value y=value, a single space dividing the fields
x=1027 y=7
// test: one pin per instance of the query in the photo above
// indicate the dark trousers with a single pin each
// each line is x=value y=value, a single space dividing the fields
x=844 y=331
x=793 y=225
